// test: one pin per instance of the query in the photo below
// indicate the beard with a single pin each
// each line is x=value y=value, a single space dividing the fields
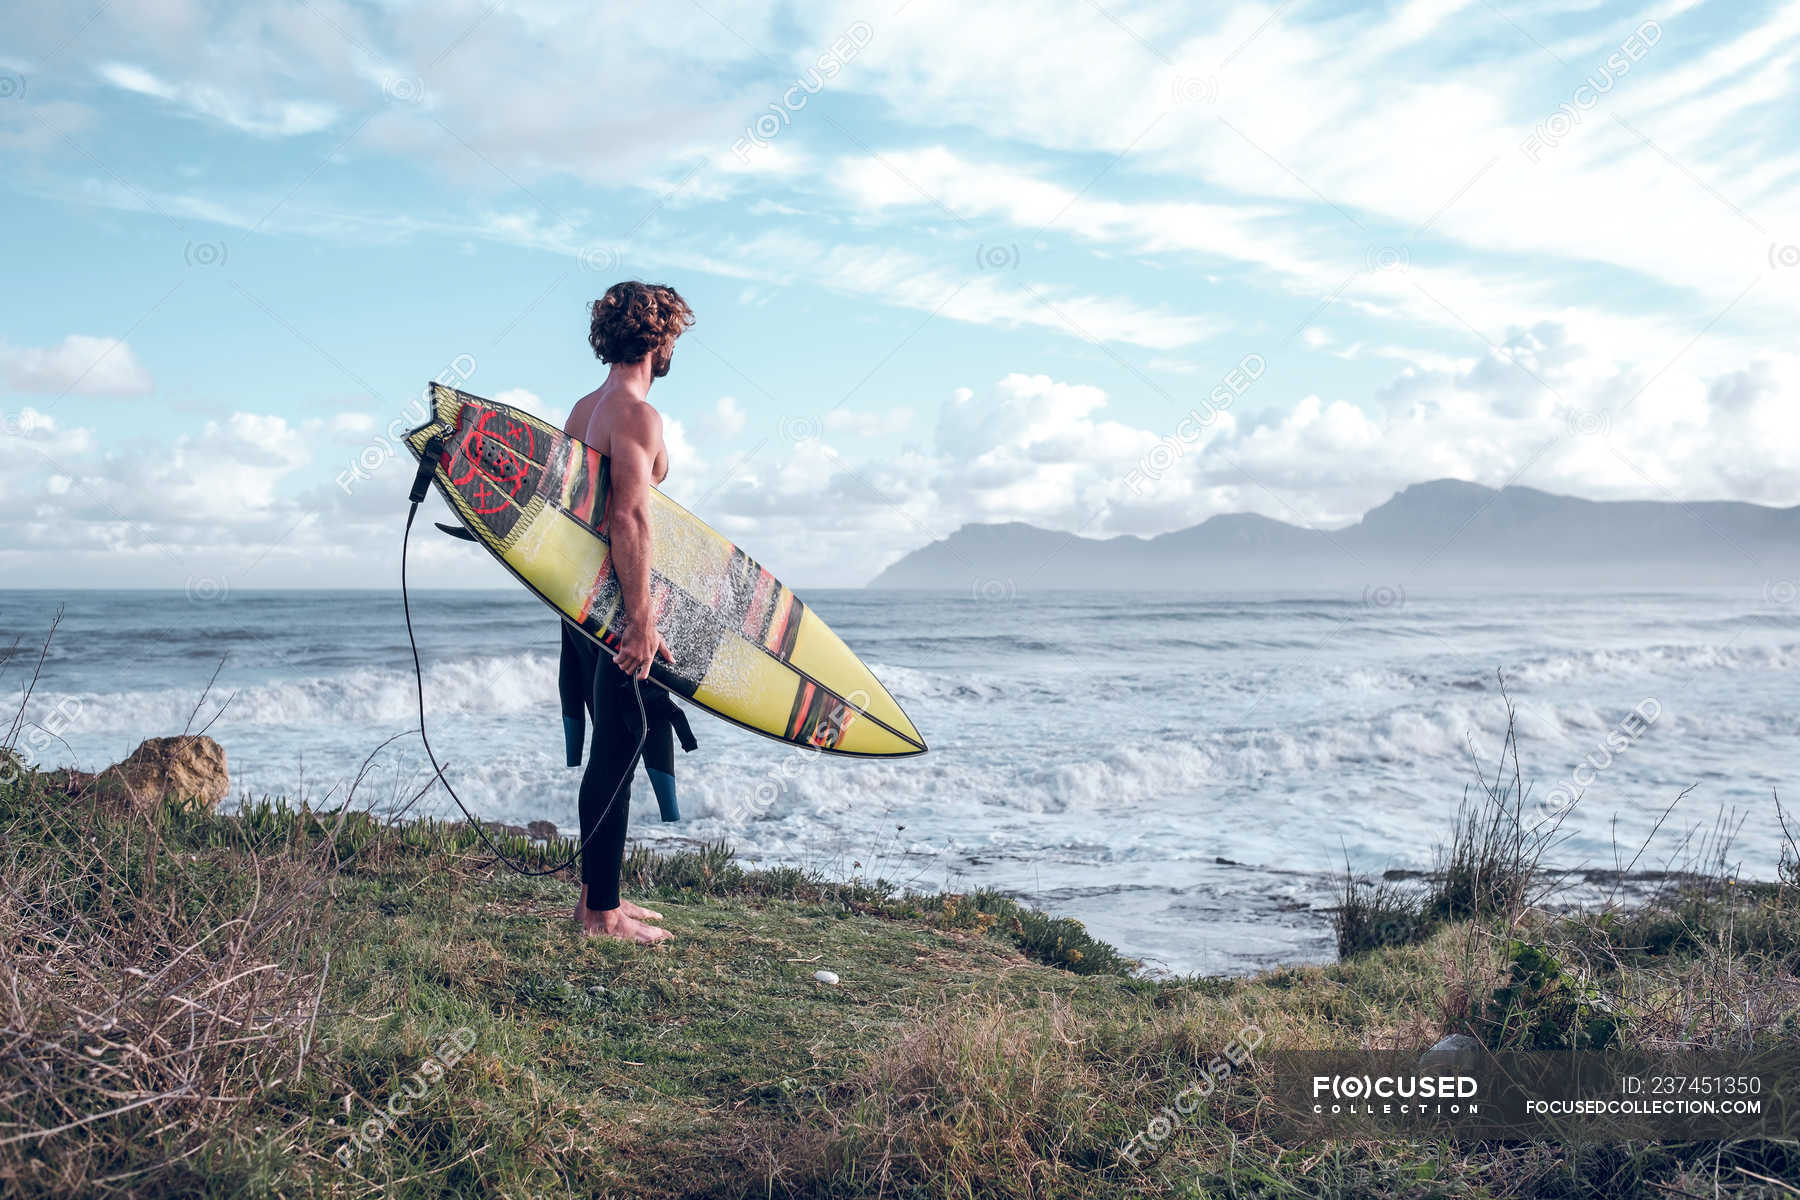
x=659 y=362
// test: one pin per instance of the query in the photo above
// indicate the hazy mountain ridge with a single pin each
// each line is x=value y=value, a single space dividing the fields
x=1443 y=532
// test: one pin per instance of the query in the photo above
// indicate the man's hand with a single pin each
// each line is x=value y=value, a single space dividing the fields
x=639 y=647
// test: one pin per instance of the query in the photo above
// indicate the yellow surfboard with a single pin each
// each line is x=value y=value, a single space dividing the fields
x=746 y=648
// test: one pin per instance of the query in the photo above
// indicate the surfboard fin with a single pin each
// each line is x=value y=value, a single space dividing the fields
x=455 y=531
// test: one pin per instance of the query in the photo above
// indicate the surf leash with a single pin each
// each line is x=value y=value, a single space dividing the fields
x=428 y=461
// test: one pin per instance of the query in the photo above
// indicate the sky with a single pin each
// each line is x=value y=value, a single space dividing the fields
x=1111 y=272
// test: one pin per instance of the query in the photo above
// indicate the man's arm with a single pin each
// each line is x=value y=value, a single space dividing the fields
x=632 y=458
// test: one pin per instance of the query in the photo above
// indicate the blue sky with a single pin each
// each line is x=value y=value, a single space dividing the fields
x=1112 y=272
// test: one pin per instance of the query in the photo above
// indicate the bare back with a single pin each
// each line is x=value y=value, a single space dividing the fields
x=597 y=415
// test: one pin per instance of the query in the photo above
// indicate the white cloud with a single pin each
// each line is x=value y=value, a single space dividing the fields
x=231 y=471
x=1413 y=135
x=1307 y=249
x=1326 y=461
x=1002 y=297
x=683 y=457
x=212 y=492
x=1031 y=448
x=728 y=419
x=264 y=118
x=42 y=433
x=869 y=424
x=533 y=404
x=1028 y=447
x=79 y=364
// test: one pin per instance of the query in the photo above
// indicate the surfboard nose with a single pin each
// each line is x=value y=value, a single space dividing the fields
x=902 y=723
x=885 y=728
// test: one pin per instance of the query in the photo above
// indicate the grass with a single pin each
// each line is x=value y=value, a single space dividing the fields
x=213 y=1005
x=258 y=988
x=1491 y=870
x=284 y=972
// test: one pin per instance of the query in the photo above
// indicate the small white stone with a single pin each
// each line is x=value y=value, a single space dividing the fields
x=825 y=976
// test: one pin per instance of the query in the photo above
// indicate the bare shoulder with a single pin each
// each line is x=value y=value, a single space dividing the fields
x=637 y=414
x=581 y=415
x=629 y=432
x=614 y=421
x=636 y=421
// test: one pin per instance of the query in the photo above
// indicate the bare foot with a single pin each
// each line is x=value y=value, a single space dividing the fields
x=638 y=913
x=613 y=923
x=635 y=912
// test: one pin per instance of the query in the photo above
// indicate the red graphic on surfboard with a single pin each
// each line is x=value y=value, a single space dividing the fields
x=494 y=467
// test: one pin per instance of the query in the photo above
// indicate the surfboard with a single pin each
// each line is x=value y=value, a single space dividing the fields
x=745 y=647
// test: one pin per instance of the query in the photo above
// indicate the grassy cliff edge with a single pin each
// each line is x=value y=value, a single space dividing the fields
x=283 y=1002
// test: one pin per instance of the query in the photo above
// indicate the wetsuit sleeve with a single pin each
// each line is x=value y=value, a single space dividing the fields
x=573 y=684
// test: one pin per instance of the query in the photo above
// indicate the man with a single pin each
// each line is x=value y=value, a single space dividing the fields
x=633 y=330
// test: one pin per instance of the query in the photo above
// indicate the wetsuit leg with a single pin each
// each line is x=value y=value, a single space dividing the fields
x=575 y=688
x=612 y=757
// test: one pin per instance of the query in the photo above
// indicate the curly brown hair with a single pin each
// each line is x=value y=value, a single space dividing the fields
x=635 y=319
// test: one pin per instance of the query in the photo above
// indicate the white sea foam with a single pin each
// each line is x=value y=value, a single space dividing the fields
x=1641 y=660
x=908 y=683
x=361 y=696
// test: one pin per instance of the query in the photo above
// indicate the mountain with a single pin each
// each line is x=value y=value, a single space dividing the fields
x=1445 y=532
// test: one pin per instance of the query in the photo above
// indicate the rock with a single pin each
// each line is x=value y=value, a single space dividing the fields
x=543 y=831
x=1458 y=1053
x=825 y=976
x=189 y=767
x=503 y=828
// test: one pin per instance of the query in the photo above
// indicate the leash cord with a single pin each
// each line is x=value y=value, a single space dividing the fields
x=419 y=686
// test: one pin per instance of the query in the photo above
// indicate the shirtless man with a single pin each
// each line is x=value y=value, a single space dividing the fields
x=634 y=330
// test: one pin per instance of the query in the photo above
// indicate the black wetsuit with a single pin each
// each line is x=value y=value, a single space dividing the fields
x=591 y=684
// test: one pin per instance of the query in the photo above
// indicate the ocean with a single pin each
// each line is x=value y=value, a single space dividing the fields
x=1185 y=774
